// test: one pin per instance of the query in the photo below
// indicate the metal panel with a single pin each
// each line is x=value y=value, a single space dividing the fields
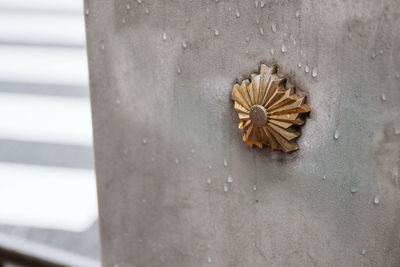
x=161 y=73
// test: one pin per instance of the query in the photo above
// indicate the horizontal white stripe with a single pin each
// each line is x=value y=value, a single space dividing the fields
x=45 y=65
x=41 y=118
x=38 y=28
x=47 y=197
x=54 y=5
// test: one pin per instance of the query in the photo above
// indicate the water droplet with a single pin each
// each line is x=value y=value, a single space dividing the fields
x=237 y=13
x=128 y=6
x=262 y=3
x=229 y=9
x=257 y=21
x=381 y=52
x=397 y=131
x=254 y=187
x=187 y=20
x=307 y=69
x=273 y=27
x=144 y=200
x=86 y=11
x=209 y=260
x=248 y=39
x=144 y=141
x=256 y=3
x=225 y=162
x=216 y=32
x=225 y=188
x=350 y=35
x=373 y=55
x=193 y=150
x=179 y=70
x=397 y=75
x=123 y=21
x=298 y=14
x=230 y=179
x=384 y=97
x=177 y=161
x=102 y=47
x=363 y=251
x=324 y=177
x=184 y=44
x=209 y=181
x=314 y=72
x=210 y=166
x=283 y=48
x=299 y=65
x=164 y=36
x=353 y=189
x=336 y=134
x=139 y=1
x=377 y=199
x=272 y=51
x=146 y=10
x=261 y=31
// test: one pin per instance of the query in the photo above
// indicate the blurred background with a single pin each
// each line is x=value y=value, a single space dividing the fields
x=48 y=200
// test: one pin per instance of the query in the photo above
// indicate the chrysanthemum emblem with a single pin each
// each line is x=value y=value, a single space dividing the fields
x=267 y=110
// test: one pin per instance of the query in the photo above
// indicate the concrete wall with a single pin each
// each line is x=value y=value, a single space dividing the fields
x=164 y=123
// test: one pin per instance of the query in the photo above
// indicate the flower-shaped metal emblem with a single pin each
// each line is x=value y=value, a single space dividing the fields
x=267 y=110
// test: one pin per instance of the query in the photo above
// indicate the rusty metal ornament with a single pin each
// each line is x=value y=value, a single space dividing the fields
x=267 y=110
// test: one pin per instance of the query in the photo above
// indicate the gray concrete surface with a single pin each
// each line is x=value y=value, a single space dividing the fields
x=164 y=122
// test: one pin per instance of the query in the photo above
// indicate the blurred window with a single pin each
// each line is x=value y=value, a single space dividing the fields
x=47 y=182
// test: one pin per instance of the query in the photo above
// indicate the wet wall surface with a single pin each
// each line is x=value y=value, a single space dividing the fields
x=166 y=136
